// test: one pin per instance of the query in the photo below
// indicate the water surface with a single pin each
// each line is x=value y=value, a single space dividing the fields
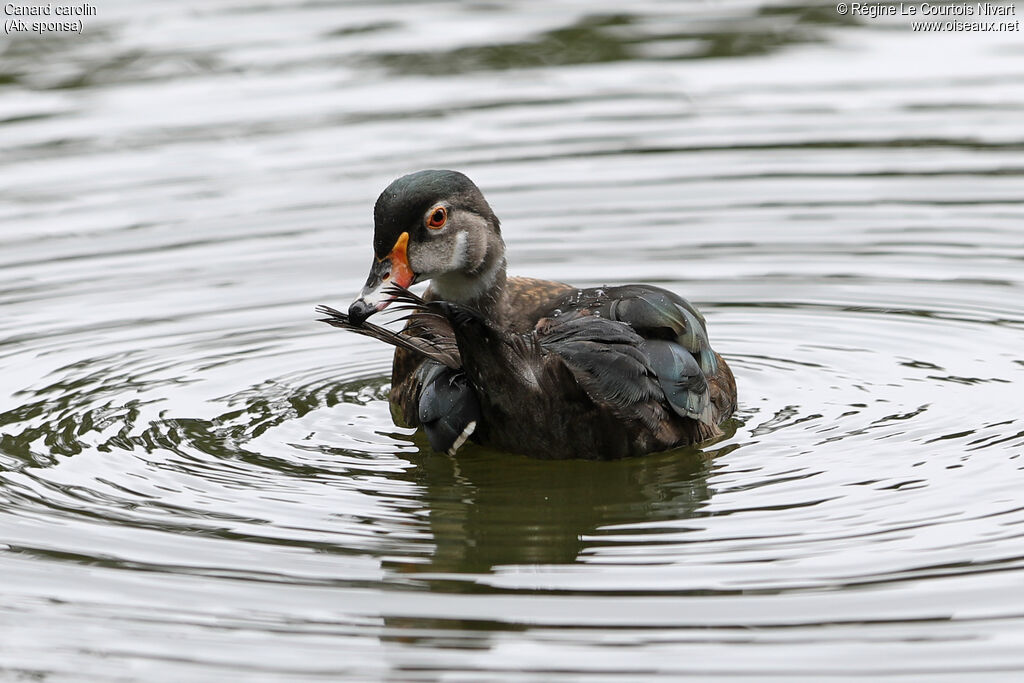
x=199 y=481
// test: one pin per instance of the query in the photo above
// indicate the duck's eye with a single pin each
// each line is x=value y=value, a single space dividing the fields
x=438 y=217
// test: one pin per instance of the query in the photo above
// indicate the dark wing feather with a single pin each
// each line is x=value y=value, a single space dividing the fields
x=685 y=385
x=652 y=309
x=606 y=359
x=673 y=340
x=448 y=409
x=653 y=312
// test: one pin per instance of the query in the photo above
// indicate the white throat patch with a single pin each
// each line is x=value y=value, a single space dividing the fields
x=461 y=288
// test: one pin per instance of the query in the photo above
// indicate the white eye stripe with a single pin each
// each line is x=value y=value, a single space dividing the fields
x=460 y=252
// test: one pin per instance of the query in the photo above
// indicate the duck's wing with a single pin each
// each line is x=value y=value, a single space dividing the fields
x=607 y=360
x=655 y=313
x=447 y=408
x=674 y=342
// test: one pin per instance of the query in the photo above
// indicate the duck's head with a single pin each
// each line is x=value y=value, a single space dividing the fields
x=432 y=225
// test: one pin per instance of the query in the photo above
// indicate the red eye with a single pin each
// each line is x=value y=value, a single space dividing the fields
x=438 y=217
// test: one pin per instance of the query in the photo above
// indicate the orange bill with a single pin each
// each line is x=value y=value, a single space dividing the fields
x=392 y=269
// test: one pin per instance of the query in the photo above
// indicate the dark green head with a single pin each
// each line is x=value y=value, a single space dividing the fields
x=432 y=225
x=404 y=206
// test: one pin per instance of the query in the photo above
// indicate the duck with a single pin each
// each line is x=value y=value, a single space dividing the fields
x=525 y=365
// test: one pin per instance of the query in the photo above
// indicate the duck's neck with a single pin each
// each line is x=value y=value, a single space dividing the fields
x=481 y=288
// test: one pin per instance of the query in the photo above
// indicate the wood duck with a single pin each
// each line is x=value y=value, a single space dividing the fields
x=524 y=365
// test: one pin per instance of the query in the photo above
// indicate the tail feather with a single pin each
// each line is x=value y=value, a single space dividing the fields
x=406 y=299
x=436 y=349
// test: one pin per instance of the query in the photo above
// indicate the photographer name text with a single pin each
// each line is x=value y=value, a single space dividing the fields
x=925 y=9
x=927 y=16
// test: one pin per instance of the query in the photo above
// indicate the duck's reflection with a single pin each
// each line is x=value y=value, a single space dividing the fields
x=490 y=510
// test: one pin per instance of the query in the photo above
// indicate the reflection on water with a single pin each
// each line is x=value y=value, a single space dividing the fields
x=197 y=480
x=597 y=38
x=485 y=514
